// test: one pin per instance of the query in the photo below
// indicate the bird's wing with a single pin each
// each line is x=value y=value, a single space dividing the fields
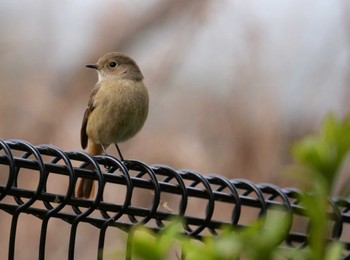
x=89 y=109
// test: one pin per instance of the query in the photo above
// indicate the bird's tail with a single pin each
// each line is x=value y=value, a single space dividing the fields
x=86 y=186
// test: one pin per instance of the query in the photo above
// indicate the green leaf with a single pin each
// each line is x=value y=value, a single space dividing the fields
x=334 y=251
x=324 y=152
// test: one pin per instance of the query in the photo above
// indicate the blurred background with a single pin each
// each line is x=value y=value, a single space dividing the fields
x=232 y=83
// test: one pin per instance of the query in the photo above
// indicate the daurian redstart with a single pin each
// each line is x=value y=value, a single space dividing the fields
x=117 y=108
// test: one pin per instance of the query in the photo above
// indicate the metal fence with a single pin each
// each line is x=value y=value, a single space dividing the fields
x=169 y=193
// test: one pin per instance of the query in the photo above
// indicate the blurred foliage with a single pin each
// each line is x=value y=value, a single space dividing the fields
x=319 y=159
x=322 y=154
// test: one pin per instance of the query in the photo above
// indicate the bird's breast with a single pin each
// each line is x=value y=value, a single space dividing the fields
x=121 y=108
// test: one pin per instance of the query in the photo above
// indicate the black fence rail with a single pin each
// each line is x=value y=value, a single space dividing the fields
x=169 y=193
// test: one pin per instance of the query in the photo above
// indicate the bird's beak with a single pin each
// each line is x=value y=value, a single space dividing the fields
x=92 y=66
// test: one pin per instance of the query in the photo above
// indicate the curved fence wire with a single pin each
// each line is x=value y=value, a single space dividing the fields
x=202 y=200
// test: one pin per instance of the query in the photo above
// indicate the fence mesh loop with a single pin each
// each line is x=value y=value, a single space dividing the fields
x=130 y=193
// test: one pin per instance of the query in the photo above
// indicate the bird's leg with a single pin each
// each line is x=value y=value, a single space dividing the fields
x=105 y=154
x=120 y=154
x=104 y=150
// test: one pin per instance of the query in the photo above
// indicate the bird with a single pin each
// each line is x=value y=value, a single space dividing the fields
x=117 y=109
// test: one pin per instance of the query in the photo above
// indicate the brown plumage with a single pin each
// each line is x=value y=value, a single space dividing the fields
x=117 y=108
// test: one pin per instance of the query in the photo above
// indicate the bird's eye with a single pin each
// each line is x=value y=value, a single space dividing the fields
x=112 y=64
